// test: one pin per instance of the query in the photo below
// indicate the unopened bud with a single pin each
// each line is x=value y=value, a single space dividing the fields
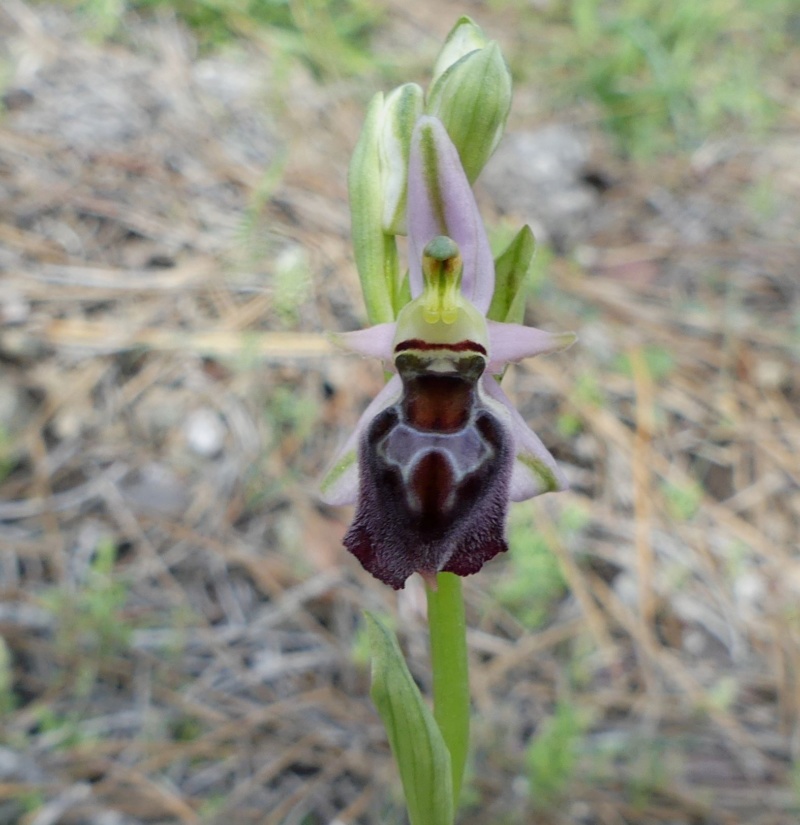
x=372 y=248
x=465 y=37
x=401 y=109
x=473 y=98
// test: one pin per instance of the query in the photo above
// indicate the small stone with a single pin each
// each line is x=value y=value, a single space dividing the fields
x=771 y=375
x=156 y=489
x=695 y=642
x=627 y=589
x=749 y=588
x=14 y=309
x=205 y=432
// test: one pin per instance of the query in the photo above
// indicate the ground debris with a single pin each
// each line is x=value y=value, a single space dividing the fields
x=182 y=625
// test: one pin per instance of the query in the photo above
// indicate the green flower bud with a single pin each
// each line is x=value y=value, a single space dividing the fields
x=378 y=185
x=375 y=252
x=402 y=108
x=465 y=37
x=473 y=98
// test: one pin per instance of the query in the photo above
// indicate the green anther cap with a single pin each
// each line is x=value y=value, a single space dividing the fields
x=441 y=314
x=441 y=269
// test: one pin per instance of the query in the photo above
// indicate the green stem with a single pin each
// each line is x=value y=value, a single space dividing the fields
x=448 y=631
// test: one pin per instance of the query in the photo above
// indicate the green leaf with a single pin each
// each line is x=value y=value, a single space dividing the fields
x=511 y=273
x=414 y=737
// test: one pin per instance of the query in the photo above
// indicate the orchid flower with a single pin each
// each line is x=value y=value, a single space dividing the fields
x=440 y=452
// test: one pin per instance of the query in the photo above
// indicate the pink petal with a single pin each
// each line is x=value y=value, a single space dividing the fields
x=513 y=342
x=440 y=202
x=373 y=342
x=535 y=470
x=339 y=485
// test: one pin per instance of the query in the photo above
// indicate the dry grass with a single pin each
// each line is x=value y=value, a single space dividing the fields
x=167 y=399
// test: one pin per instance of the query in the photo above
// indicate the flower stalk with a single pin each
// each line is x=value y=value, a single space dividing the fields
x=448 y=636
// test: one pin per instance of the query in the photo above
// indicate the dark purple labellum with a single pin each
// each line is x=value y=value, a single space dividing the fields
x=434 y=472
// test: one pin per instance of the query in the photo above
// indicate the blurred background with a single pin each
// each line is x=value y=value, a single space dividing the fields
x=180 y=630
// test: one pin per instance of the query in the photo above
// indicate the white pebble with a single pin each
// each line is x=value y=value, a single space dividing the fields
x=205 y=432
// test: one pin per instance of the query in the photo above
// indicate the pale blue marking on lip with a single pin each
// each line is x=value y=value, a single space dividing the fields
x=465 y=450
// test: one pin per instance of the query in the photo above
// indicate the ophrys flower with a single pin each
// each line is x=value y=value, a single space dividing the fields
x=440 y=452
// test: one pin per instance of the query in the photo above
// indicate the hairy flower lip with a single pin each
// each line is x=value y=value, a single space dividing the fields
x=432 y=498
